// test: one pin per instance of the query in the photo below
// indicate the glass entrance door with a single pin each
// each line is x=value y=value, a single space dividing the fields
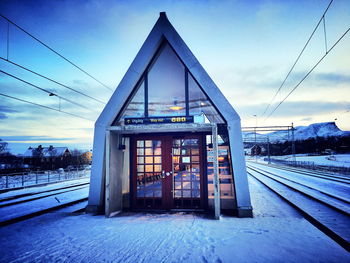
x=167 y=172
x=187 y=173
x=148 y=170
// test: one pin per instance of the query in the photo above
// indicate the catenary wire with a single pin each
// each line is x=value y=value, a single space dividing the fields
x=56 y=52
x=43 y=106
x=44 y=90
x=296 y=61
x=307 y=74
x=52 y=80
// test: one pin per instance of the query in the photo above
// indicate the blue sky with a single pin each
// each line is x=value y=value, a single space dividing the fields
x=247 y=47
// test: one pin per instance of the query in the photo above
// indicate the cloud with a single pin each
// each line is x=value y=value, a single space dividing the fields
x=334 y=78
x=307 y=119
x=2 y=116
x=33 y=139
x=296 y=108
x=4 y=110
x=79 y=82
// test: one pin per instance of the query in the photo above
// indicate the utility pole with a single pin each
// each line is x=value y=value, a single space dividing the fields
x=268 y=150
x=255 y=147
x=293 y=144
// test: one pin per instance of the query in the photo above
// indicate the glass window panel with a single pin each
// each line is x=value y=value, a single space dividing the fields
x=176 y=159
x=197 y=177
x=166 y=85
x=149 y=168
x=148 y=192
x=177 y=168
x=148 y=143
x=156 y=144
x=140 y=168
x=186 y=185
x=195 y=185
x=157 y=151
x=177 y=185
x=149 y=159
x=136 y=106
x=200 y=105
x=157 y=193
x=177 y=177
x=140 y=143
x=194 y=142
x=186 y=151
x=149 y=182
x=196 y=194
x=176 y=143
x=185 y=176
x=176 y=151
x=195 y=159
x=148 y=151
x=193 y=176
x=195 y=168
x=140 y=159
x=157 y=159
x=195 y=151
x=186 y=159
x=140 y=151
x=186 y=193
x=177 y=193
x=140 y=191
x=157 y=168
x=140 y=179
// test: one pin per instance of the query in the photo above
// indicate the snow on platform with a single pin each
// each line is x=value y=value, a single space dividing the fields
x=277 y=233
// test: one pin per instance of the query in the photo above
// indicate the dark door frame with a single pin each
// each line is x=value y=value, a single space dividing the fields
x=167 y=195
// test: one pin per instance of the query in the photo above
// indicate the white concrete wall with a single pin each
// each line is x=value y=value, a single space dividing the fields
x=244 y=206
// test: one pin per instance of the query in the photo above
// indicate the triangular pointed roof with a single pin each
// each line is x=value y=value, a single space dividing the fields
x=163 y=30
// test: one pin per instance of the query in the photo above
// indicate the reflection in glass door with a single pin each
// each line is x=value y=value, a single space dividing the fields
x=167 y=172
x=149 y=173
x=186 y=173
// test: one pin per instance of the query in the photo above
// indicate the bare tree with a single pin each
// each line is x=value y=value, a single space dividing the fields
x=3 y=147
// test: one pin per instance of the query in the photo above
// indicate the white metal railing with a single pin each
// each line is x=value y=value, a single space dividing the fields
x=40 y=177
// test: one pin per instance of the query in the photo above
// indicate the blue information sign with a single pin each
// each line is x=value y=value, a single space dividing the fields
x=158 y=120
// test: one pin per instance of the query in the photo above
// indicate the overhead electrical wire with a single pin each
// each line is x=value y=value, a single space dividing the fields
x=52 y=80
x=56 y=52
x=44 y=90
x=307 y=74
x=43 y=106
x=301 y=52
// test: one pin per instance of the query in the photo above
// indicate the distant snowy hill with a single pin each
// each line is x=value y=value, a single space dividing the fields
x=323 y=129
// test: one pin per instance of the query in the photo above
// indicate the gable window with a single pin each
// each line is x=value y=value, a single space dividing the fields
x=168 y=89
x=166 y=85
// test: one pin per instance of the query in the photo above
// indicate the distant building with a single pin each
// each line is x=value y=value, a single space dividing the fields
x=47 y=158
x=255 y=150
x=86 y=157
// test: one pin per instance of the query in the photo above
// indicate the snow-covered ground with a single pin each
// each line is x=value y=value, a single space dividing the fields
x=44 y=200
x=342 y=160
x=277 y=233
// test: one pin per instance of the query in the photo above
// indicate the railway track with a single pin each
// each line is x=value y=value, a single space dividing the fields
x=323 y=175
x=22 y=206
x=327 y=211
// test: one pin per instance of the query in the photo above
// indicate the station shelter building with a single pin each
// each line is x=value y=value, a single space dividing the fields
x=168 y=139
